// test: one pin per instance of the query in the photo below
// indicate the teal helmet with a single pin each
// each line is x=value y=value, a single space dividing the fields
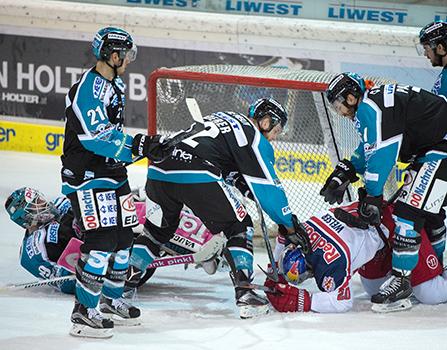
x=28 y=207
x=344 y=84
x=110 y=39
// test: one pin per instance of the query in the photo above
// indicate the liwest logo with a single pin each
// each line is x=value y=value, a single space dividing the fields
x=371 y=14
x=53 y=141
x=6 y=134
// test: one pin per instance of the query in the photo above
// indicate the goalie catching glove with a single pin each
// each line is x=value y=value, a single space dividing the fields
x=336 y=184
x=155 y=147
x=288 y=298
x=298 y=237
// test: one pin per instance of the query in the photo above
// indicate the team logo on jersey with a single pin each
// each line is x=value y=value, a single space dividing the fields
x=328 y=283
x=98 y=84
x=432 y=262
x=52 y=232
x=437 y=86
x=128 y=211
x=369 y=149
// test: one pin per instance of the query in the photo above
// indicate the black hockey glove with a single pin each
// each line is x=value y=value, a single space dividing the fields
x=370 y=208
x=336 y=184
x=151 y=147
x=299 y=237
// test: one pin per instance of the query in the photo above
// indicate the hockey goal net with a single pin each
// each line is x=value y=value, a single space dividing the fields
x=315 y=139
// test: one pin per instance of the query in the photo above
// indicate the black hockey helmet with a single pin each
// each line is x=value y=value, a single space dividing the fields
x=28 y=207
x=270 y=107
x=344 y=84
x=433 y=34
x=110 y=39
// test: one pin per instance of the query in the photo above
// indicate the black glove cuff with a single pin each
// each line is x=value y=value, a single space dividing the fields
x=348 y=169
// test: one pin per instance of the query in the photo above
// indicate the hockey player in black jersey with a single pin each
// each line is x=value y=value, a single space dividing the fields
x=395 y=122
x=231 y=146
x=433 y=45
x=94 y=178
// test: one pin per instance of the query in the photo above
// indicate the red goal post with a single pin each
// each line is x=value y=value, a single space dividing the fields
x=315 y=139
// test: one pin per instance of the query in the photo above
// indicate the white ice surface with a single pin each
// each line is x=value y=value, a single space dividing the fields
x=186 y=309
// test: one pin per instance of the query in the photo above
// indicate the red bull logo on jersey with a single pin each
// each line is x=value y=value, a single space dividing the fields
x=330 y=253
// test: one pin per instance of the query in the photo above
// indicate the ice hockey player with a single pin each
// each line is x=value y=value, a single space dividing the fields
x=52 y=238
x=231 y=146
x=94 y=178
x=49 y=227
x=395 y=121
x=433 y=40
x=338 y=251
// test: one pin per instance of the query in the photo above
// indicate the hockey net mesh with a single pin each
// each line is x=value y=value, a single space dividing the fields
x=314 y=140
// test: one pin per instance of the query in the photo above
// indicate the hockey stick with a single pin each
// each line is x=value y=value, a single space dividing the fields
x=37 y=283
x=194 y=109
x=209 y=249
x=274 y=275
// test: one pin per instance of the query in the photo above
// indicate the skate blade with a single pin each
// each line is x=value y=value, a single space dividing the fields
x=83 y=331
x=250 y=311
x=123 y=322
x=400 y=305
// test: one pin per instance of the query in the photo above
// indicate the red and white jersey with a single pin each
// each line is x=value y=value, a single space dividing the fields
x=338 y=251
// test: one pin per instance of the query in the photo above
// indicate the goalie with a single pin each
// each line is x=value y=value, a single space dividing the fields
x=338 y=251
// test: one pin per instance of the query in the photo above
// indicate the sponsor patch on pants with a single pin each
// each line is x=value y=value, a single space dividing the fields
x=128 y=211
x=107 y=208
x=88 y=209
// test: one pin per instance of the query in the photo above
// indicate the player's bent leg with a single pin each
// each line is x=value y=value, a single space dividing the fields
x=240 y=258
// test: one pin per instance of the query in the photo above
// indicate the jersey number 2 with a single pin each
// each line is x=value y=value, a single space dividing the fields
x=211 y=130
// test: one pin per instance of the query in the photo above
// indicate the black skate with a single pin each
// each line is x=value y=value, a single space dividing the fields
x=250 y=304
x=120 y=311
x=89 y=323
x=394 y=294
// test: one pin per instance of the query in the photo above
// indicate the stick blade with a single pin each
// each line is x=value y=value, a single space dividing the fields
x=194 y=109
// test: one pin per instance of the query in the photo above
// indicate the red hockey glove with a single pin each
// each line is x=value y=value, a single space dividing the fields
x=288 y=298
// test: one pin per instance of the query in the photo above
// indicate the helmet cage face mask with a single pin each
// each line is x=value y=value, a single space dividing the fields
x=29 y=207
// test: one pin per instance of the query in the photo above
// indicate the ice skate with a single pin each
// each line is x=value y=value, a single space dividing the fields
x=250 y=304
x=89 y=323
x=120 y=311
x=394 y=294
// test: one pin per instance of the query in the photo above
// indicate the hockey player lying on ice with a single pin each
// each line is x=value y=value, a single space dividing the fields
x=52 y=238
x=338 y=252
